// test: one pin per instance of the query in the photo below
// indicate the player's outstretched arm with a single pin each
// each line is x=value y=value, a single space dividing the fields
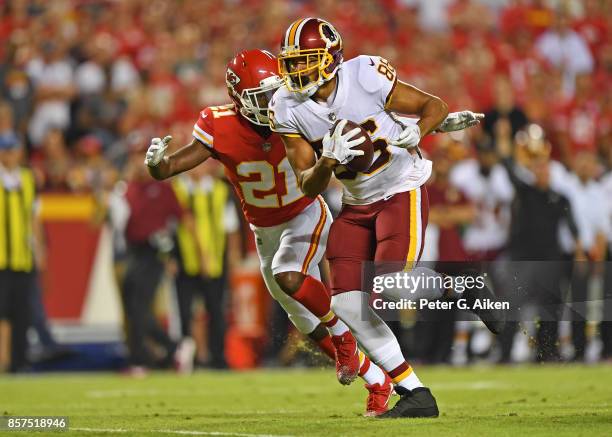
x=313 y=175
x=407 y=99
x=186 y=158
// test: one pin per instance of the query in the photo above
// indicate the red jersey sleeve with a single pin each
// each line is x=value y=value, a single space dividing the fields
x=203 y=129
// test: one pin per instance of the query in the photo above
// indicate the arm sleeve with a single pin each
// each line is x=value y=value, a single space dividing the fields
x=203 y=129
x=281 y=119
x=569 y=218
x=377 y=77
x=517 y=183
x=603 y=222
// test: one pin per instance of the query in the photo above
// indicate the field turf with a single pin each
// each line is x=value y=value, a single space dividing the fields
x=478 y=401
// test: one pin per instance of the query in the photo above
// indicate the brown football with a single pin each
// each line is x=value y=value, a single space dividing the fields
x=363 y=162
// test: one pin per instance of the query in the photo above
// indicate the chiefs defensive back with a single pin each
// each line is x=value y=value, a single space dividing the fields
x=290 y=228
x=385 y=208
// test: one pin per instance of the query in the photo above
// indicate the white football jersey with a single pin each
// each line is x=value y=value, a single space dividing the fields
x=363 y=87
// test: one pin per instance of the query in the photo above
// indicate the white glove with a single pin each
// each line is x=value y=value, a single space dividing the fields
x=459 y=121
x=409 y=137
x=156 y=151
x=339 y=147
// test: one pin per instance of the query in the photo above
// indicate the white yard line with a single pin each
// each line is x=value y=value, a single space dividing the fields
x=173 y=431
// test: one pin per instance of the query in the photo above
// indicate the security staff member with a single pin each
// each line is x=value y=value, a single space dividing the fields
x=19 y=232
x=203 y=254
x=537 y=212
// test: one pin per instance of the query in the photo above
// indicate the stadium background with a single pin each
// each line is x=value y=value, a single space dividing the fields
x=83 y=82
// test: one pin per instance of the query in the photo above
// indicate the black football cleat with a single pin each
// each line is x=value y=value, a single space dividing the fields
x=413 y=403
x=494 y=319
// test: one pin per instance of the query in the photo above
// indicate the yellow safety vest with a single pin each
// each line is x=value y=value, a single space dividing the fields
x=208 y=209
x=16 y=209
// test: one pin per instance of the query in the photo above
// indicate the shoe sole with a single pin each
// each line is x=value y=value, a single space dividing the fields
x=346 y=378
x=422 y=413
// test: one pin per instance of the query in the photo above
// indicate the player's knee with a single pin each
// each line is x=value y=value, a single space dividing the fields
x=319 y=333
x=290 y=282
x=346 y=306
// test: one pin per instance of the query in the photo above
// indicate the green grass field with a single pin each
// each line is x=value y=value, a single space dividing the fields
x=479 y=401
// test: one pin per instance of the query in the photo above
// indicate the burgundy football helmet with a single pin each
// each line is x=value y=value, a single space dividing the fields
x=309 y=45
x=252 y=78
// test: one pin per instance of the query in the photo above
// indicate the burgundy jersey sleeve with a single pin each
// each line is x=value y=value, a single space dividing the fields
x=203 y=129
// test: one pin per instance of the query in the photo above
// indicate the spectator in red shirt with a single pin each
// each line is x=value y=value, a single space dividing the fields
x=577 y=124
x=593 y=26
x=532 y=16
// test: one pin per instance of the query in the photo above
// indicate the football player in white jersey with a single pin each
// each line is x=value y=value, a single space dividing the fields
x=320 y=89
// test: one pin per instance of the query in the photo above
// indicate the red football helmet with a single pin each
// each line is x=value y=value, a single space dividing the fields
x=309 y=45
x=252 y=78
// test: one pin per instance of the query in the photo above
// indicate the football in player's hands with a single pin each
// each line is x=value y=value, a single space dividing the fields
x=363 y=162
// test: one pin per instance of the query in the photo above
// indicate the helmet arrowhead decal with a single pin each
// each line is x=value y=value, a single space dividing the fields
x=231 y=79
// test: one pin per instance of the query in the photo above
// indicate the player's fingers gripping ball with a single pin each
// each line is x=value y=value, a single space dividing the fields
x=355 y=143
x=409 y=137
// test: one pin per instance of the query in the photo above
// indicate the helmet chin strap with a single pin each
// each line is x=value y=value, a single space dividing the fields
x=309 y=92
x=313 y=89
x=255 y=117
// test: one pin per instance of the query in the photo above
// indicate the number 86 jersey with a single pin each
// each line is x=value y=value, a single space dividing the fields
x=256 y=166
x=364 y=86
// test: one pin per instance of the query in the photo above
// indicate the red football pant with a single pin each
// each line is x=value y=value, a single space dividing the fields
x=391 y=230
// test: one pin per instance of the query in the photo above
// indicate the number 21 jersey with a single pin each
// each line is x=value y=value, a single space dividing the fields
x=364 y=86
x=256 y=166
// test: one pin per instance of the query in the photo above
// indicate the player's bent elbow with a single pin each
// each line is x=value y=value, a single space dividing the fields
x=443 y=106
x=307 y=188
x=310 y=191
x=156 y=174
x=311 y=194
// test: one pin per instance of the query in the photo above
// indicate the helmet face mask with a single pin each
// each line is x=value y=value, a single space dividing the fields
x=304 y=69
x=255 y=100
x=310 y=55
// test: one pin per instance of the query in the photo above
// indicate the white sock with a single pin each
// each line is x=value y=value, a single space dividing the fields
x=390 y=357
x=411 y=382
x=374 y=375
x=338 y=328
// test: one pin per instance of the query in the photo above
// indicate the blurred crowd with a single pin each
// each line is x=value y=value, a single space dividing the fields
x=86 y=79
x=85 y=84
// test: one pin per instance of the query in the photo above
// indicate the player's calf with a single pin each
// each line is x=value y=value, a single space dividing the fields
x=313 y=294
